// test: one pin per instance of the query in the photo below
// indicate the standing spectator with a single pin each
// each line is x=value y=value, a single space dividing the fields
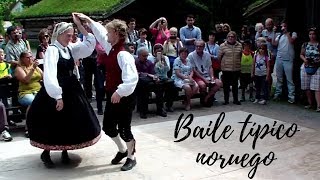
x=171 y=47
x=245 y=34
x=260 y=69
x=284 y=62
x=310 y=54
x=90 y=69
x=100 y=78
x=230 y=53
x=258 y=28
x=246 y=67
x=43 y=37
x=213 y=48
x=1 y=40
x=270 y=36
x=159 y=30
x=190 y=33
x=220 y=36
x=15 y=46
x=142 y=41
x=133 y=34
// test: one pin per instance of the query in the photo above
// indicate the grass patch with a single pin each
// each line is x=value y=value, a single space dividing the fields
x=57 y=7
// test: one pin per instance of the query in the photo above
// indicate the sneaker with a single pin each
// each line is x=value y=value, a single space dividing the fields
x=291 y=101
x=308 y=106
x=237 y=102
x=5 y=135
x=255 y=101
x=276 y=98
x=169 y=109
x=129 y=164
x=119 y=156
x=318 y=109
x=262 y=102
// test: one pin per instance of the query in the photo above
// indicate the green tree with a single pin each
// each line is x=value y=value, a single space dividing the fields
x=5 y=9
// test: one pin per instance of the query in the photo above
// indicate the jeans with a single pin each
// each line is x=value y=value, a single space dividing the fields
x=3 y=117
x=285 y=66
x=27 y=99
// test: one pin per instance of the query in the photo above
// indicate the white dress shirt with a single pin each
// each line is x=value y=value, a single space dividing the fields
x=78 y=50
x=126 y=62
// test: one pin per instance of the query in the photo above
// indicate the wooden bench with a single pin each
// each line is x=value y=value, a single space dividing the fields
x=9 y=90
x=179 y=96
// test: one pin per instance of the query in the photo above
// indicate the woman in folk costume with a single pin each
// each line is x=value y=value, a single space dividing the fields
x=121 y=81
x=60 y=117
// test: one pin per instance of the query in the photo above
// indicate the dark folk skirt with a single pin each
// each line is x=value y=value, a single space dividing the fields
x=75 y=126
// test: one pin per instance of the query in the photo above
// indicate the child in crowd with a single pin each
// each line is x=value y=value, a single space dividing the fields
x=5 y=72
x=260 y=69
x=245 y=75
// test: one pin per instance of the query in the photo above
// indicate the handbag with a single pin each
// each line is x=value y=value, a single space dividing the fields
x=311 y=70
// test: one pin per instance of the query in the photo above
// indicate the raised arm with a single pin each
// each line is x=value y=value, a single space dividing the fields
x=82 y=49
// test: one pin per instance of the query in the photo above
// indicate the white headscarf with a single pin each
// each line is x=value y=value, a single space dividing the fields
x=59 y=29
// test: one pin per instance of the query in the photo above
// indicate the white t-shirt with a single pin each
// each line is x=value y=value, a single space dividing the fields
x=285 y=48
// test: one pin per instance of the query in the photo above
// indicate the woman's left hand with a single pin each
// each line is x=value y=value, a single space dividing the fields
x=115 y=98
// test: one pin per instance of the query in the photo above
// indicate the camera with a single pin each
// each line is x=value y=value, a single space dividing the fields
x=162 y=22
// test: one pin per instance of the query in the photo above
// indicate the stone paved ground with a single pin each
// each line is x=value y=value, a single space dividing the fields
x=159 y=157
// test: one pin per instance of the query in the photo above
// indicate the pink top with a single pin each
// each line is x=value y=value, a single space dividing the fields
x=100 y=50
x=159 y=39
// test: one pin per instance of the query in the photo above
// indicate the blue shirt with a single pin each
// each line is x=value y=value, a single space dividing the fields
x=187 y=33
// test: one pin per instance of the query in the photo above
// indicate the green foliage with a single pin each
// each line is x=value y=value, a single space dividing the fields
x=2 y=31
x=58 y=7
x=5 y=9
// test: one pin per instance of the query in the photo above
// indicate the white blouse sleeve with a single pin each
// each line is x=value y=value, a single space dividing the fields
x=100 y=33
x=83 y=49
x=50 y=80
x=129 y=73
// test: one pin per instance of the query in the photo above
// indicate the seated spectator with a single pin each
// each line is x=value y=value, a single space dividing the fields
x=29 y=76
x=5 y=135
x=203 y=73
x=183 y=76
x=5 y=72
x=147 y=83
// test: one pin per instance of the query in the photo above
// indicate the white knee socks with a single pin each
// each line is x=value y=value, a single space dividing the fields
x=120 y=143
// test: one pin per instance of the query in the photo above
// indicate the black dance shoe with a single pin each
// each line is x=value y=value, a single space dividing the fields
x=119 y=156
x=129 y=164
x=237 y=102
x=65 y=157
x=46 y=159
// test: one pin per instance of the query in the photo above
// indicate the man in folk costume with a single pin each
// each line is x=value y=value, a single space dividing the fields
x=121 y=81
